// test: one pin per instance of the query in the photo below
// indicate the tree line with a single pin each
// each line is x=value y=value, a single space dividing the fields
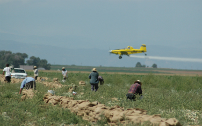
x=17 y=59
x=138 y=64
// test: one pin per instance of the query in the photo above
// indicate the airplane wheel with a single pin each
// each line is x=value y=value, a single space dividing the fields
x=120 y=57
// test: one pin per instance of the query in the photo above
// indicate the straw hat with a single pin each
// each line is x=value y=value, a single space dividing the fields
x=94 y=69
x=63 y=68
x=35 y=67
x=139 y=82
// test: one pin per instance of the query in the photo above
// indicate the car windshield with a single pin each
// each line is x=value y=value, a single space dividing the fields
x=19 y=71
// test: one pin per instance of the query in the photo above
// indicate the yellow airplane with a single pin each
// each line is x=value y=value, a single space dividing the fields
x=129 y=50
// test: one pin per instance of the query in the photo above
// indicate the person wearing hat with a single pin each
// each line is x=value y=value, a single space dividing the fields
x=134 y=90
x=94 y=79
x=28 y=83
x=64 y=73
x=35 y=72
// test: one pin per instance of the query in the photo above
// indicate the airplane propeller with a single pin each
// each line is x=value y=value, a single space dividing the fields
x=109 y=51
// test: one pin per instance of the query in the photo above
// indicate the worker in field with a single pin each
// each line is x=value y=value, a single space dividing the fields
x=7 y=74
x=101 y=80
x=134 y=90
x=64 y=73
x=94 y=79
x=28 y=83
x=35 y=72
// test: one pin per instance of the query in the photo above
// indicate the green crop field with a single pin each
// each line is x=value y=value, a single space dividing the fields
x=131 y=70
x=107 y=69
x=172 y=96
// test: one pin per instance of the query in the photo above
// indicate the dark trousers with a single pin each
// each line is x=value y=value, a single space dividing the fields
x=31 y=84
x=64 y=78
x=35 y=77
x=8 y=79
x=101 y=82
x=131 y=96
x=94 y=87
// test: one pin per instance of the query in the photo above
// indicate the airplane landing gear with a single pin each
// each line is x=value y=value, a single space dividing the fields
x=120 y=57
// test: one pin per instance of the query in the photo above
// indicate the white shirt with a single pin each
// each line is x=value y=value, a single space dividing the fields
x=8 y=71
x=64 y=73
x=36 y=72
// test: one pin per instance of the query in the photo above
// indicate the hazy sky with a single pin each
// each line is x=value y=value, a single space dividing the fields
x=104 y=24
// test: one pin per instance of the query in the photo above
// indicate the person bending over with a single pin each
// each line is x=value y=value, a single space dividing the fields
x=101 y=80
x=134 y=90
x=28 y=83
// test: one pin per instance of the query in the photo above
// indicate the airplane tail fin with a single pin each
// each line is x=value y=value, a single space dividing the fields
x=143 y=48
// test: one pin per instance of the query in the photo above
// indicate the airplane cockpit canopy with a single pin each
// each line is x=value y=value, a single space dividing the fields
x=143 y=45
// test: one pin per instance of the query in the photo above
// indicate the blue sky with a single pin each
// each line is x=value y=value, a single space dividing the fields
x=103 y=24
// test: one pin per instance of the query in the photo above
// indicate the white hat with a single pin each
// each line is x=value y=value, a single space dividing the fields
x=63 y=68
x=139 y=82
x=94 y=69
x=35 y=66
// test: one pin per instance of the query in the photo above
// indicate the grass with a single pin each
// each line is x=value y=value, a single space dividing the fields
x=175 y=96
x=32 y=111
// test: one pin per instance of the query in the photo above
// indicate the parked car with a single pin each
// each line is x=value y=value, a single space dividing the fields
x=18 y=73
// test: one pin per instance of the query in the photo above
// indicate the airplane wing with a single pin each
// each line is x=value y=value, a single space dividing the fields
x=124 y=52
x=128 y=52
